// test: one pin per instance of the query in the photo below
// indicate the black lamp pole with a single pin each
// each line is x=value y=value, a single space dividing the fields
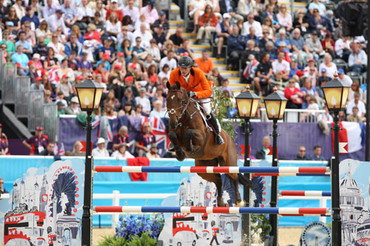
x=246 y=217
x=336 y=222
x=274 y=186
x=86 y=216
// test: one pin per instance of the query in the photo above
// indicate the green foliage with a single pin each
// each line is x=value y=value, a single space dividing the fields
x=220 y=105
x=144 y=240
x=113 y=241
x=260 y=225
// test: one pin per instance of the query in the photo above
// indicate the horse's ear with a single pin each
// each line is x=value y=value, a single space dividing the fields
x=168 y=85
x=178 y=85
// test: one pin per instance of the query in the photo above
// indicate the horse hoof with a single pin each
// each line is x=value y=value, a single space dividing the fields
x=240 y=204
x=180 y=156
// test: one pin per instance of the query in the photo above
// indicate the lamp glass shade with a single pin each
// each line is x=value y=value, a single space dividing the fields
x=247 y=103
x=335 y=94
x=273 y=109
x=89 y=94
x=345 y=96
x=282 y=109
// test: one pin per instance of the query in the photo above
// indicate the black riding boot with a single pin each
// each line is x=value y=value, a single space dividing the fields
x=213 y=121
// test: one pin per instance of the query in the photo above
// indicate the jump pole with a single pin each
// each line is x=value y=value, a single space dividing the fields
x=312 y=193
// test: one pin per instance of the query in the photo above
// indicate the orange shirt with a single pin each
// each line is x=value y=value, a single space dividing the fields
x=205 y=66
x=197 y=82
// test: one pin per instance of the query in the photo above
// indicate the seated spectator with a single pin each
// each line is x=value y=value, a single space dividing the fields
x=10 y=47
x=12 y=21
x=223 y=30
x=343 y=48
x=299 y=47
x=114 y=8
x=356 y=102
x=150 y=12
x=49 y=151
x=314 y=45
x=271 y=50
x=301 y=21
x=65 y=87
x=263 y=75
x=77 y=147
x=249 y=72
x=4 y=144
x=196 y=9
x=74 y=109
x=158 y=110
x=328 y=44
x=144 y=140
x=164 y=74
x=216 y=77
x=177 y=38
x=70 y=13
x=207 y=24
x=113 y=26
x=169 y=60
x=56 y=20
x=109 y=110
x=355 y=117
x=131 y=11
x=121 y=137
x=61 y=107
x=127 y=109
x=330 y=67
x=236 y=46
x=166 y=25
x=49 y=9
x=251 y=22
x=60 y=97
x=161 y=96
x=143 y=100
x=22 y=59
x=92 y=34
x=230 y=7
x=85 y=14
x=186 y=49
x=145 y=36
x=153 y=152
x=246 y=7
x=357 y=60
x=36 y=143
x=168 y=45
x=100 y=150
x=294 y=95
x=264 y=152
x=31 y=18
x=159 y=36
x=205 y=63
x=282 y=38
x=316 y=5
x=139 y=50
x=37 y=86
x=98 y=22
x=355 y=88
x=139 y=111
x=122 y=152
x=265 y=37
x=284 y=18
x=345 y=79
x=302 y=154
x=154 y=51
x=280 y=65
x=111 y=98
x=27 y=46
x=2 y=189
x=57 y=46
x=317 y=154
x=318 y=22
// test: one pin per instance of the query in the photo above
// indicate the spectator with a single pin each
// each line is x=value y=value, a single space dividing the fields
x=56 y=20
x=139 y=50
x=10 y=47
x=4 y=144
x=317 y=154
x=2 y=189
x=153 y=152
x=169 y=60
x=316 y=5
x=284 y=18
x=37 y=86
x=109 y=110
x=30 y=17
x=207 y=24
x=236 y=46
x=355 y=117
x=345 y=79
x=166 y=27
x=216 y=77
x=158 y=110
x=177 y=37
x=294 y=95
x=245 y=7
x=328 y=44
x=73 y=45
x=121 y=137
x=307 y=88
x=355 y=88
x=301 y=22
x=186 y=49
x=70 y=13
x=12 y=21
x=205 y=63
x=302 y=154
x=113 y=25
x=280 y=65
x=299 y=47
x=27 y=46
x=108 y=50
x=230 y=7
x=65 y=87
x=319 y=23
x=100 y=150
x=150 y=12
x=164 y=74
x=196 y=9
x=263 y=74
x=145 y=36
x=159 y=36
x=144 y=140
x=74 y=109
x=271 y=50
x=121 y=152
x=143 y=100
x=357 y=60
x=264 y=152
x=113 y=8
x=98 y=23
x=85 y=14
x=49 y=9
x=282 y=39
x=19 y=9
x=49 y=151
x=131 y=11
x=330 y=67
x=77 y=147
x=223 y=30
x=21 y=58
x=314 y=45
x=343 y=48
x=61 y=108
x=36 y=143
x=93 y=35
x=252 y=23
x=356 y=102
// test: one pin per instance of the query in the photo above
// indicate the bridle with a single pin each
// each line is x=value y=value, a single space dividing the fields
x=184 y=108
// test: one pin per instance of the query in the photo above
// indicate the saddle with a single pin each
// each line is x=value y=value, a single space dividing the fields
x=204 y=116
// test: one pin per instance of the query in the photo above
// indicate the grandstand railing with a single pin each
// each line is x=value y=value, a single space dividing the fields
x=296 y=115
x=9 y=72
x=51 y=121
x=35 y=109
x=22 y=89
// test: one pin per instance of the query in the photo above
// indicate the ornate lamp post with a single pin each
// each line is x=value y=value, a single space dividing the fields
x=89 y=94
x=247 y=103
x=336 y=97
x=275 y=107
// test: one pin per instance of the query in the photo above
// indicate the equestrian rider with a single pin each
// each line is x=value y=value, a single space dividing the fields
x=195 y=83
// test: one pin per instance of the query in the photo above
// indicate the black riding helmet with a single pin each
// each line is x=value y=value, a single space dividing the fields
x=185 y=61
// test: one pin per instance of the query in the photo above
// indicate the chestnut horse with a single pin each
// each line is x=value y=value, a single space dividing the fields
x=190 y=136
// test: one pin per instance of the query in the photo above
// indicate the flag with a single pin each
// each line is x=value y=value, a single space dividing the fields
x=250 y=69
x=83 y=149
x=56 y=149
x=157 y=124
x=61 y=151
x=350 y=137
x=160 y=133
x=96 y=122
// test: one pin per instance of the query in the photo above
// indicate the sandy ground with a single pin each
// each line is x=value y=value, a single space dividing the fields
x=287 y=235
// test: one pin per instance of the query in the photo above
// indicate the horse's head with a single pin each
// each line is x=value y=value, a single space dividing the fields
x=176 y=101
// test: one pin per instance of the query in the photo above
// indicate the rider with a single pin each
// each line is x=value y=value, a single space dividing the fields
x=195 y=83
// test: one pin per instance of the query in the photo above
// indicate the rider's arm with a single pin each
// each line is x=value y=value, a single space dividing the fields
x=207 y=91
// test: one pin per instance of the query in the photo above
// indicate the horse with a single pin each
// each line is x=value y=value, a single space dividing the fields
x=192 y=138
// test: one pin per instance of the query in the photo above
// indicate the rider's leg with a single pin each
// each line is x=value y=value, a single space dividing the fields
x=212 y=119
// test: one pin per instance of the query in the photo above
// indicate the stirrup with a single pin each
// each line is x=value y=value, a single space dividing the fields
x=219 y=139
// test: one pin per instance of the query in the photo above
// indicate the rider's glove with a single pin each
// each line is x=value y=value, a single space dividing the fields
x=192 y=94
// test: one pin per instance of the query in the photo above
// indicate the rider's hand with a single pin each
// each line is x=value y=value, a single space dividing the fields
x=192 y=94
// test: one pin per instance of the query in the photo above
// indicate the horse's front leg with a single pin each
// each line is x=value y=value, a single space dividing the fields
x=193 y=140
x=180 y=155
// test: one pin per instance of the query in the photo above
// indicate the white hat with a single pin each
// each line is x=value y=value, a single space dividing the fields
x=100 y=141
x=114 y=1
x=226 y=15
x=74 y=100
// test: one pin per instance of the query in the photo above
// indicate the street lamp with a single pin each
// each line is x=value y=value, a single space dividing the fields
x=89 y=94
x=275 y=107
x=336 y=97
x=247 y=104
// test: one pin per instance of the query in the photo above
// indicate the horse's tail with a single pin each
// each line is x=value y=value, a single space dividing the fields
x=246 y=181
